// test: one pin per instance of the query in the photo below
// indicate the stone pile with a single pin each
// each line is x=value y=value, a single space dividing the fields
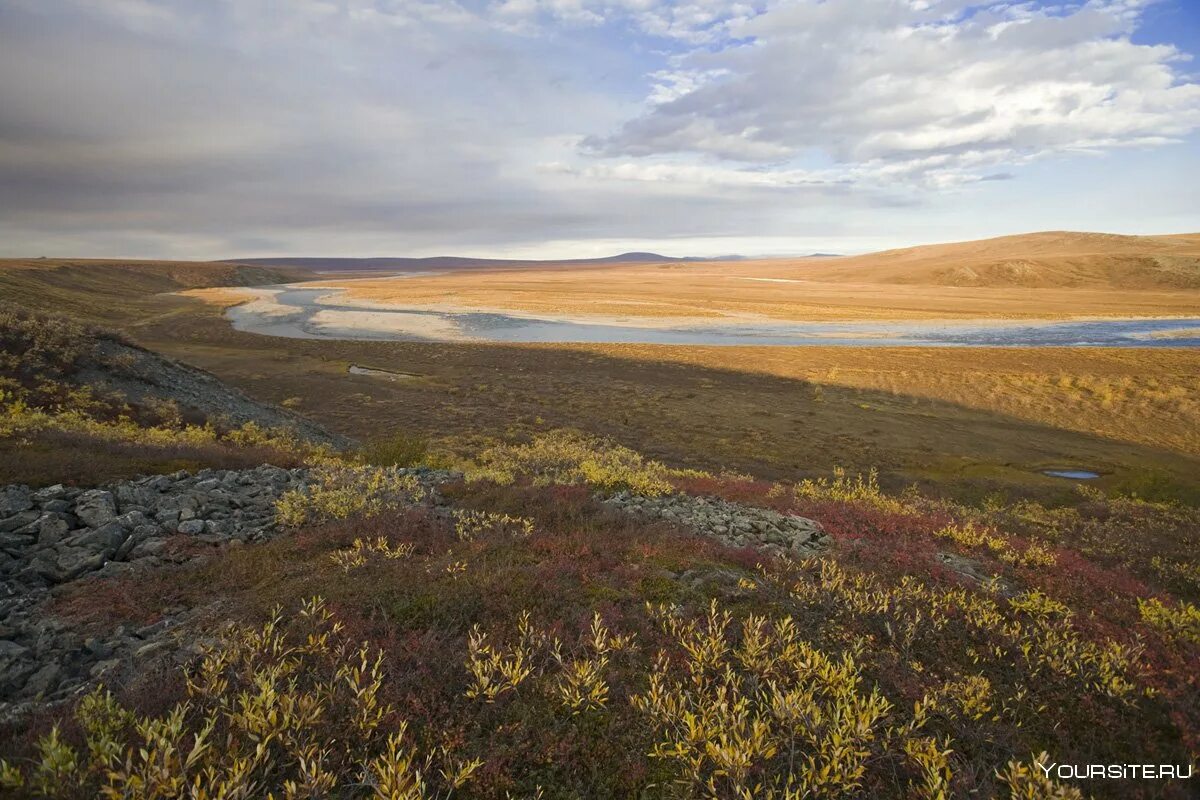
x=55 y=535
x=734 y=524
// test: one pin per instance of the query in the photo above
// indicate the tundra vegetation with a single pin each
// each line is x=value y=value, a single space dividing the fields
x=55 y=427
x=522 y=638
x=535 y=642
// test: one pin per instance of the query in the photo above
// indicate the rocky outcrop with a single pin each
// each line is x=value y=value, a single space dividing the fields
x=141 y=376
x=734 y=524
x=59 y=534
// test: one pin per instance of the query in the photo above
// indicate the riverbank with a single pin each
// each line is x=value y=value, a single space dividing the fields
x=330 y=312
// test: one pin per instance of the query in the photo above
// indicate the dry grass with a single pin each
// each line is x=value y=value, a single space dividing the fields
x=730 y=293
x=1050 y=275
x=987 y=419
x=952 y=417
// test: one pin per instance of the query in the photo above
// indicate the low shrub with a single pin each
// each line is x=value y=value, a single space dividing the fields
x=567 y=457
x=270 y=712
x=397 y=450
x=338 y=491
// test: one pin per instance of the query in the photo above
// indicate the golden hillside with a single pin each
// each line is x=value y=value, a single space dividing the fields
x=1047 y=259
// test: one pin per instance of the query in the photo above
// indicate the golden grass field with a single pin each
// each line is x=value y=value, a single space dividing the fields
x=1026 y=277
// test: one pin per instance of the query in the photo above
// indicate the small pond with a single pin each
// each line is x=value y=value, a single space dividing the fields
x=1072 y=474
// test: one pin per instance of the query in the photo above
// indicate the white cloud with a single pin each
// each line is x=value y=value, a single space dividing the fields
x=937 y=92
x=231 y=127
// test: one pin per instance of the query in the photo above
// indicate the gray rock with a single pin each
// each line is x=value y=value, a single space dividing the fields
x=95 y=508
x=150 y=648
x=15 y=541
x=732 y=523
x=148 y=548
x=52 y=529
x=97 y=648
x=15 y=499
x=103 y=667
x=50 y=494
x=11 y=649
x=44 y=680
x=14 y=675
x=76 y=561
x=43 y=660
x=106 y=539
x=18 y=521
x=132 y=519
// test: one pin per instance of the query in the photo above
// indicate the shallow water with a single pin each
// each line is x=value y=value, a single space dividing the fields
x=316 y=313
x=391 y=375
x=1073 y=474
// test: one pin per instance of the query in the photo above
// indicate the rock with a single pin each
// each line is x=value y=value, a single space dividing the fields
x=15 y=541
x=44 y=680
x=103 y=667
x=132 y=519
x=734 y=524
x=150 y=547
x=18 y=521
x=106 y=539
x=95 y=508
x=11 y=649
x=97 y=648
x=13 y=676
x=52 y=529
x=64 y=533
x=50 y=494
x=77 y=561
x=45 y=565
x=150 y=648
x=14 y=500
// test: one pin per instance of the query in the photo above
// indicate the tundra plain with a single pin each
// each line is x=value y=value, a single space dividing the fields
x=546 y=570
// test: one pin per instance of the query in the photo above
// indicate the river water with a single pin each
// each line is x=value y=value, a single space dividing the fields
x=318 y=314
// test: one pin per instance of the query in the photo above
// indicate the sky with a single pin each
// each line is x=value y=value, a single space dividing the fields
x=198 y=129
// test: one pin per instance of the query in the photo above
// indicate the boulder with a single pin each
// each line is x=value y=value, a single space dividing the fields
x=105 y=539
x=52 y=529
x=15 y=499
x=18 y=520
x=77 y=560
x=95 y=508
x=45 y=680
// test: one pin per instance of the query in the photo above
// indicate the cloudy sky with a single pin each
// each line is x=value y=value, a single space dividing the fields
x=565 y=128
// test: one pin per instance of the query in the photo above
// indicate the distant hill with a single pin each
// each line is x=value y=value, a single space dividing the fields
x=1064 y=259
x=319 y=264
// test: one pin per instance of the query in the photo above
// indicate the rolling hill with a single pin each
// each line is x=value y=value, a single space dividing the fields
x=111 y=290
x=1060 y=259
